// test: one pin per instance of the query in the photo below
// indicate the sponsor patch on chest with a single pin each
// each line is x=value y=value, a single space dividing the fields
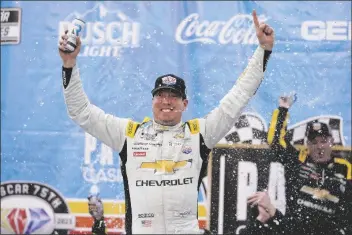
x=139 y=154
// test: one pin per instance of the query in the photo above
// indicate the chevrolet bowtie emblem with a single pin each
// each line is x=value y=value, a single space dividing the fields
x=320 y=194
x=166 y=166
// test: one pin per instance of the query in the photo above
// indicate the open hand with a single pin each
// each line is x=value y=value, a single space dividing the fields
x=265 y=33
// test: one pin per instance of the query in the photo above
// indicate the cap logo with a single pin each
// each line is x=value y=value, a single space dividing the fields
x=169 y=80
x=316 y=126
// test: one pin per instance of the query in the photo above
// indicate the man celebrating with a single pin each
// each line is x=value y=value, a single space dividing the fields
x=164 y=159
x=96 y=209
x=318 y=185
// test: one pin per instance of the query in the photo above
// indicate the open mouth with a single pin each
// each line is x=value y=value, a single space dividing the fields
x=167 y=110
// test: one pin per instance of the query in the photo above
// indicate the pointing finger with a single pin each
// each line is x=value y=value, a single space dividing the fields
x=255 y=19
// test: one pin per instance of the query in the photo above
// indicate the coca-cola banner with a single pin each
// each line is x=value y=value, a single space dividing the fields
x=237 y=29
x=126 y=45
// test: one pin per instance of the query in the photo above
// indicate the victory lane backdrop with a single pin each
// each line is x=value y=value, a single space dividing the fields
x=125 y=46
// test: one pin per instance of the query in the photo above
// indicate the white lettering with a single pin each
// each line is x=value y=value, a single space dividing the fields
x=329 y=30
x=130 y=34
x=336 y=30
x=25 y=188
x=36 y=189
x=114 y=33
x=5 y=16
x=107 y=38
x=3 y=191
x=102 y=175
x=106 y=155
x=239 y=228
x=276 y=186
x=90 y=144
x=56 y=203
x=18 y=189
x=94 y=33
x=246 y=186
x=51 y=196
x=105 y=51
x=238 y=29
x=315 y=206
x=10 y=189
x=44 y=192
x=101 y=51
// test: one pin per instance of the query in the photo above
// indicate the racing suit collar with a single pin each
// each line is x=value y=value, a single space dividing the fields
x=321 y=165
x=159 y=127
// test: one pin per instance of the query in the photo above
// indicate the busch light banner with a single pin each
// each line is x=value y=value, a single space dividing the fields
x=51 y=166
x=237 y=173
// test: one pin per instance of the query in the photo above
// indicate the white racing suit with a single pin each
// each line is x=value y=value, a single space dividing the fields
x=163 y=166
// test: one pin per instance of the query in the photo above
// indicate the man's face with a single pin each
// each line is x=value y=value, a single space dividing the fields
x=320 y=149
x=92 y=209
x=168 y=107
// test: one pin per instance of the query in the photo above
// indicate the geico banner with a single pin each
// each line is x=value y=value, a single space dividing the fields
x=236 y=173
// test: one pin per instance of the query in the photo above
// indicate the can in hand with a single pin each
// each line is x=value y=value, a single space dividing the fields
x=77 y=27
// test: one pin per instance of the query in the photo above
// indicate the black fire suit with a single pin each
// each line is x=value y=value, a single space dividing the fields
x=99 y=227
x=318 y=196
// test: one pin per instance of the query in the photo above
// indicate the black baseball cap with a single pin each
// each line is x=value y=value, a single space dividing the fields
x=316 y=128
x=170 y=81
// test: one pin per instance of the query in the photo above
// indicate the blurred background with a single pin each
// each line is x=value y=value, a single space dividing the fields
x=126 y=45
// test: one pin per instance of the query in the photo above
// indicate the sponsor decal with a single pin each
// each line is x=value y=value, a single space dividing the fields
x=183 y=214
x=176 y=182
x=175 y=143
x=239 y=29
x=10 y=25
x=186 y=150
x=139 y=154
x=146 y=215
x=140 y=148
x=108 y=32
x=335 y=30
x=320 y=194
x=33 y=208
x=169 y=80
x=179 y=136
x=148 y=136
x=146 y=223
x=165 y=166
x=315 y=206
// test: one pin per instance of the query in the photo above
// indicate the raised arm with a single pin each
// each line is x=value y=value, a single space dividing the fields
x=107 y=128
x=278 y=125
x=220 y=120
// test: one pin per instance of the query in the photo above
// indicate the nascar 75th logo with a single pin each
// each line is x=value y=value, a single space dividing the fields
x=33 y=208
x=10 y=25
